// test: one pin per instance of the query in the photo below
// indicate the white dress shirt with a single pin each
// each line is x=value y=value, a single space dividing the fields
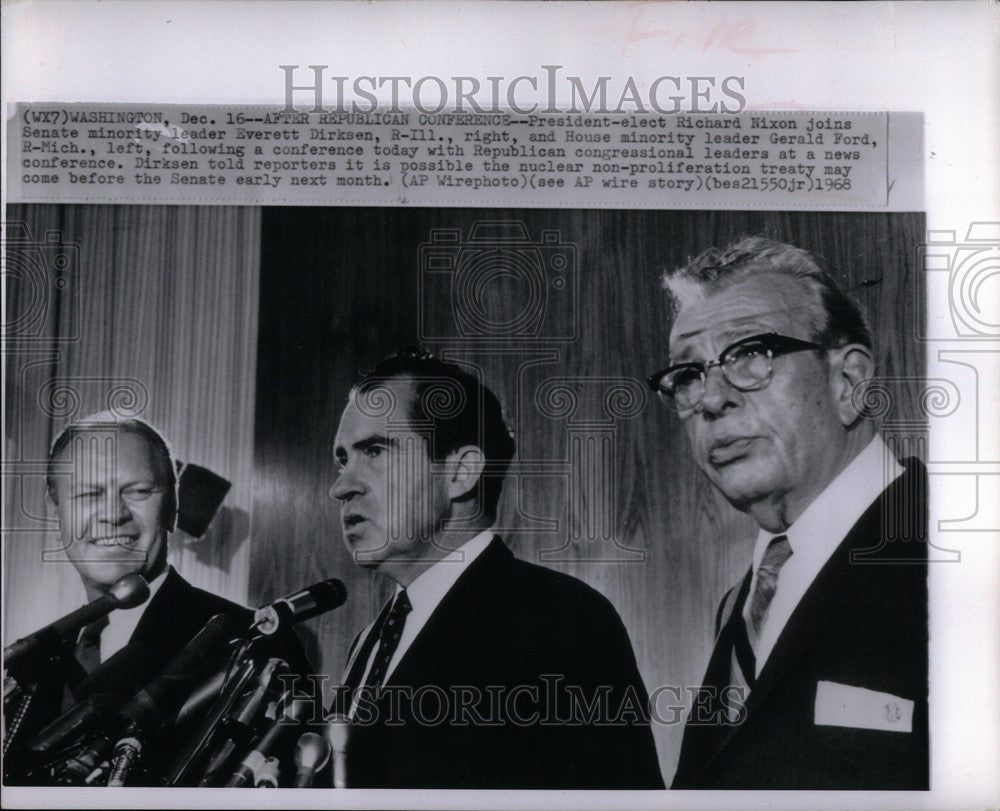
x=122 y=622
x=818 y=532
x=425 y=594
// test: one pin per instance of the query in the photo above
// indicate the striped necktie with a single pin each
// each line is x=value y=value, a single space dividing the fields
x=749 y=626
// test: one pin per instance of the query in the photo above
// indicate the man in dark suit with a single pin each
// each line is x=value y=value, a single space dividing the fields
x=818 y=678
x=483 y=671
x=113 y=484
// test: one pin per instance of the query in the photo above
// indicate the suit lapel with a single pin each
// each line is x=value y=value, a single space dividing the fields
x=717 y=674
x=707 y=739
x=148 y=649
x=156 y=621
x=832 y=587
x=441 y=637
x=363 y=649
x=834 y=584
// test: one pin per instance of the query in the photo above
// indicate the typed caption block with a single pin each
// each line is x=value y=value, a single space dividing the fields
x=263 y=156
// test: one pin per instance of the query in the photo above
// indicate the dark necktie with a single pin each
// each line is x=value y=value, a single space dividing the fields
x=88 y=647
x=388 y=639
x=744 y=658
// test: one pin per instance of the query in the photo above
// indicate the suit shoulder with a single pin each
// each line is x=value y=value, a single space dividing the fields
x=539 y=585
x=285 y=644
x=200 y=605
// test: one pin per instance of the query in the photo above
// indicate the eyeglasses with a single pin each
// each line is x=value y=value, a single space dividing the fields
x=746 y=366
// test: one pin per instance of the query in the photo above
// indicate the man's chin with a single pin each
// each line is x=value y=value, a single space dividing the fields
x=364 y=554
x=741 y=484
x=105 y=578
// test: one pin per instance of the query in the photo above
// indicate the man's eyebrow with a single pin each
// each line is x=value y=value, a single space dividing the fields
x=373 y=440
x=737 y=324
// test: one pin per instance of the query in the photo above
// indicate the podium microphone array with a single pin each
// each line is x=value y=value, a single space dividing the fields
x=110 y=735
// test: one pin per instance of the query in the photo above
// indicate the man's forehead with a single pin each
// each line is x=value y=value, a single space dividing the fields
x=769 y=301
x=376 y=407
x=733 y=324
x=109 y=441
x=93 y=457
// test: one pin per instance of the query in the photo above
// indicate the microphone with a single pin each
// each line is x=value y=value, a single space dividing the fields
x=95 y=710
x=302 y=605
x=311 y=754
x=265 y=775
x=337 y=731
x=154 y=704
x=127 y=754
x=235 y=715
x=285 y=723
x=128 y=592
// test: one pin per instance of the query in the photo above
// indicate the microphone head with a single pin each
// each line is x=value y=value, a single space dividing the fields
x=328 y=594
x=311 y=752
x=337 y=729
x=130 y=591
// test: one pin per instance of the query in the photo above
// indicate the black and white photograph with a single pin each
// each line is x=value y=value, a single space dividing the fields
x=566 y=357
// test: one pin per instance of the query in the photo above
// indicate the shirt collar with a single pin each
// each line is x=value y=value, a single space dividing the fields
x=826 y=522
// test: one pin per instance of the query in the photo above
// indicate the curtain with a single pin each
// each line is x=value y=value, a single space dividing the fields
x=150 y=310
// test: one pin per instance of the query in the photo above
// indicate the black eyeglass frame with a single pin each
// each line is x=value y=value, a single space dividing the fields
x=775 y=345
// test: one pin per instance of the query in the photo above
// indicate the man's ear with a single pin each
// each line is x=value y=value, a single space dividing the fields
x=464 y=468
x=171 y=512
x=850 y=367
x=51 y=508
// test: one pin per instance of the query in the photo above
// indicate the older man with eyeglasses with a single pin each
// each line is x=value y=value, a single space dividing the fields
x=818 y=678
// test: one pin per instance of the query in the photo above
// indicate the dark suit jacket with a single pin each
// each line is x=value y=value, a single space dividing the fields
x=171 y=619
x=497 y=689
x=862 y=623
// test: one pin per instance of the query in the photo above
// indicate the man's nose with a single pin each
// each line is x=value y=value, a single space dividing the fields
x=347 y=485
x=720 y=394
x=115 y=509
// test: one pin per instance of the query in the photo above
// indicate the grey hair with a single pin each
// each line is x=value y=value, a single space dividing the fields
x=836 y=318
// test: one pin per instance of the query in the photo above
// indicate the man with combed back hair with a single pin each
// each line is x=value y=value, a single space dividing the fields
x=818 y=677
x=112 y=482
x=482 y=671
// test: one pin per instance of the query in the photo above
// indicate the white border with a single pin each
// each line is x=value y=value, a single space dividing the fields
x=939 y=58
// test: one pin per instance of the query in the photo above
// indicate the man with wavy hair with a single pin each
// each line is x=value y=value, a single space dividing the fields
x=825 y=637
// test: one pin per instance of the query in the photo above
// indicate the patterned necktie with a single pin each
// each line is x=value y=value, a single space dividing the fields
x=388 y=639
x=88 y=648
x=744 y=657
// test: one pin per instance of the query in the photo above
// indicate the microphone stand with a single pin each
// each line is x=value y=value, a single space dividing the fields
x=242 y=722
x=31 y=685
x=243 y=669
x=181 y=769
x=146 y=713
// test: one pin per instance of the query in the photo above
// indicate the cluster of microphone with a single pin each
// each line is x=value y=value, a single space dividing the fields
x=221 y=712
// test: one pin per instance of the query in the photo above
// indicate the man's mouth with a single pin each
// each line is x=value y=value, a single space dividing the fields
x=115 y=540
x=727 y=449
x=352 y=520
